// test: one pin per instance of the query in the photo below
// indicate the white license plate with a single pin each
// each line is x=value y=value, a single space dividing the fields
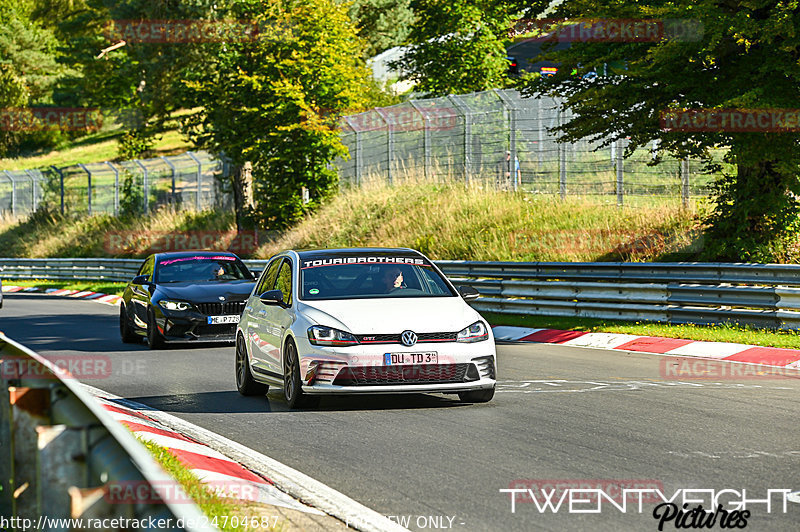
x=403 y=359
x=217 y=320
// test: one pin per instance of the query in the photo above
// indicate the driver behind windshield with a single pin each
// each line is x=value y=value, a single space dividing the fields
x=392 y=279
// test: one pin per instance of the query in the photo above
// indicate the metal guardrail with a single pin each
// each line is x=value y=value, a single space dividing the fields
x=763 y=295
x=62 y=454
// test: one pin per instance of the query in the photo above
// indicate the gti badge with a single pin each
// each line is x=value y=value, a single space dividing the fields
x=408 y=338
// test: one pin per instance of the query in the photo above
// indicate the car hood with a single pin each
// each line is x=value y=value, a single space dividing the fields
x=393 y=315
x=207 y=292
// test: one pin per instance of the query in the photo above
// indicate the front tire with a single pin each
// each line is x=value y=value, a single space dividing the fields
x=477 y=396
x=245 y=382
x=292 y=387
x=125 y=332
x=154 y=338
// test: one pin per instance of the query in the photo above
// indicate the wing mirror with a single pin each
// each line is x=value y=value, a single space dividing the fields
x=140 y=279
x=468 y=293
x=272 y=297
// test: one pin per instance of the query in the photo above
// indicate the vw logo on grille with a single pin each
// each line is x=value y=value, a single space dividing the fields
x=408 y=338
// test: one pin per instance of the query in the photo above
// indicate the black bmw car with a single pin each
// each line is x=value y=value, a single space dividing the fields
x=189 y=296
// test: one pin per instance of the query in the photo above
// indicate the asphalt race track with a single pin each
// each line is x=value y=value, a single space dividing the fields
x=561 y=414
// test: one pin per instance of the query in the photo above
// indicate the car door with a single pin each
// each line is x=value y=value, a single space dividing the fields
x=279 y=317
x=257 y=323
x=140 y=294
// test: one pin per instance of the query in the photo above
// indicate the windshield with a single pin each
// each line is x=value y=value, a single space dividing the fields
x=358 y=277
x=201 y=269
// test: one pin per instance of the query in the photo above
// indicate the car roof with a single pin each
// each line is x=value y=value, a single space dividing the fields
x=311 y=254
x=183 y=254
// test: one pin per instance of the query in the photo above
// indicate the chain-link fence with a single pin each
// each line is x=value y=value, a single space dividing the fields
x=189 y=180
x=501 y=138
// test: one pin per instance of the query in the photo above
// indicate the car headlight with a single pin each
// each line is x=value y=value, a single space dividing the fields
x=477 y=332
x=174 y=305
x=319 y=335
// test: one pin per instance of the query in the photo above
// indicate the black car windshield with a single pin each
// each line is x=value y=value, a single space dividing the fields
x=201 y=268
x=359 y=277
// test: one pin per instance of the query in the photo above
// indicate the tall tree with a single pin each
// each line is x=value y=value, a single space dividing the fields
x=274 y=101
x=383 y=23
x=459 y=46
x=733 y=54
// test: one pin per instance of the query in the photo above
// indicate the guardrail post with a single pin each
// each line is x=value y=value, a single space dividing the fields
x=618 y=164
x=172 y=167
x=199 y=179
x=116 y=187
x=145 y=185
x=684 y=168
x=88 y=187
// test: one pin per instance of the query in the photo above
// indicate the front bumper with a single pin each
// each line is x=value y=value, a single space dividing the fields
x=193 y=327
x=362 y=369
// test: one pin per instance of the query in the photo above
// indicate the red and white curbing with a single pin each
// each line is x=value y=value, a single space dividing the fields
x=108 y=299
x=768 y=356
x=226 y=476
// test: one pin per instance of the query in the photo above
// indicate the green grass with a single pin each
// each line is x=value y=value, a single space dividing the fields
x=717 y=333
x=98 y=147
x=218 y=509
x=103 y=288
x=454 y=221
x=53 y=235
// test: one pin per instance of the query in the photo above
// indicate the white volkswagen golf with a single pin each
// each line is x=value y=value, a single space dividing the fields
x=356 y=321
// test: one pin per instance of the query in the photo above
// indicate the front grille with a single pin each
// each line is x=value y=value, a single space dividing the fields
x=416 y=374
x=215 y=330
x=228 y=308
x=395 y=338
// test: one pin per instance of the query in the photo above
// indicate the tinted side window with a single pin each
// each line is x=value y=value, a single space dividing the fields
x=285 y=282
x=147 y=268
x=268 y=278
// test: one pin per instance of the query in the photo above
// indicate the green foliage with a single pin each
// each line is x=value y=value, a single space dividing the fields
x=134 y=144
x=458 y=46
x=131 y=198
x=382 y=23
x=737 y=54
x=275 y=100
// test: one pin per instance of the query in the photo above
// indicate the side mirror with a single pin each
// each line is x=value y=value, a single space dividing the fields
x=140 y=279
x=468 y=293
x=272 y=297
